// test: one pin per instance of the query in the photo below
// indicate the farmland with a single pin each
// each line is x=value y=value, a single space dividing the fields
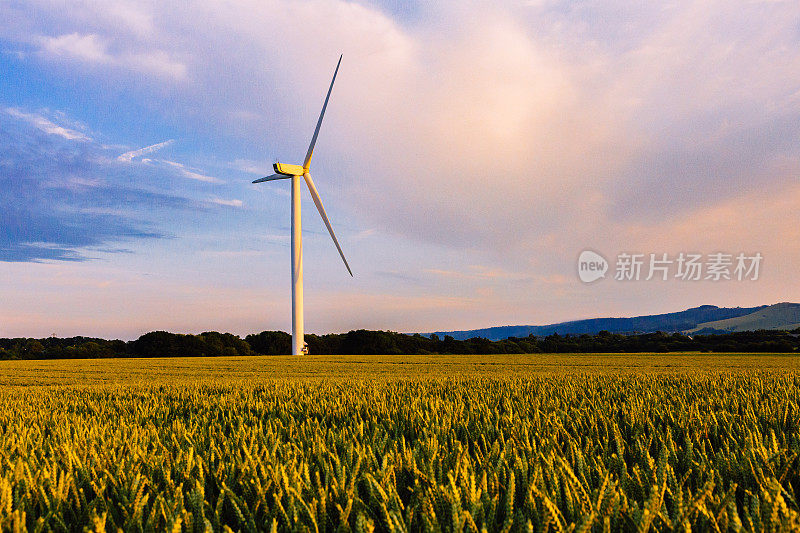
x=402 y=443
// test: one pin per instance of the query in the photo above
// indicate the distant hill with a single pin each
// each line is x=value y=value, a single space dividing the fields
x=668 y=322
x=779 y=316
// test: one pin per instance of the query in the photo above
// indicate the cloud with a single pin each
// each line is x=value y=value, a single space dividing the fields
x=515 y=143
x=199 y=177
x=228 y=203
x=88 y=48
x=93 y=49
x=515 y=131
x=46 y=125
x=65 y=199
x=128 y=156
x=185 y=172
x=480 y=129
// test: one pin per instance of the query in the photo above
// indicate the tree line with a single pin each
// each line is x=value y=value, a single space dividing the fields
x=364 y=342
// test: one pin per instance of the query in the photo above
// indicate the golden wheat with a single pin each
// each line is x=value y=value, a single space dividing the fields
x=648 y=452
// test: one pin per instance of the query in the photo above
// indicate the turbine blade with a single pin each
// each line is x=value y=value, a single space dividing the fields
x=313 y=190
x=272 y=178
x=307 y=162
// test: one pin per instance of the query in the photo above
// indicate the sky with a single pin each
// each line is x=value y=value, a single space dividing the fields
x=470 y=153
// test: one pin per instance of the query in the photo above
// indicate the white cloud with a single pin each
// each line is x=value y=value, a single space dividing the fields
x=157 y=62
x=229 y=203
x=88 y=48
x=94 y=50
x=47 y=125
x=128 y=156
x=199 y=177
x=186 y=172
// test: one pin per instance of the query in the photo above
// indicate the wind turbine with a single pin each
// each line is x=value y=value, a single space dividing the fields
x=295 y=172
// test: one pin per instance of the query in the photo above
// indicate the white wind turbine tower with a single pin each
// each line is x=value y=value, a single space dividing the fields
x=295 y=172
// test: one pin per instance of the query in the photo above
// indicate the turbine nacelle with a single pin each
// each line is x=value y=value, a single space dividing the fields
x=289 y=170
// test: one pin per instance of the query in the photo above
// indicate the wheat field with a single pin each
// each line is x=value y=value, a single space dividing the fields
x=417 y=443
